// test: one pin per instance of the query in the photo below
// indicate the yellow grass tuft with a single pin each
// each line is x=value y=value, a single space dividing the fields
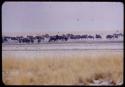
x=72 y=69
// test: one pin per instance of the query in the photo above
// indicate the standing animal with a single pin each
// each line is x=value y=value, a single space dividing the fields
x=75 y=37
x=52 y=38
x=26 y=40
x=90 y=36
x=63 y=37
x=98 y=36
x=109 y=36
x=83 y=37
x=4 y=39
x=57 y=37
x=39 y=38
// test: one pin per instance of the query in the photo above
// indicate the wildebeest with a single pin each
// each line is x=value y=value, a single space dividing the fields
x=4 y=39
x=57 y=37
x=20 y=39
x=75 y=37
x=114 y=36
x=63 y=37
x=52 y=38
x=26 y=40
x=117 y=35
x=83 y=36
x=90 y=36
x=39 y=38
x=109 y=36
x=98 y=36
x=14 y=38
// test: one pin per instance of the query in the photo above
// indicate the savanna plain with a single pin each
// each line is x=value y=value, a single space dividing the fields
x=61 y=67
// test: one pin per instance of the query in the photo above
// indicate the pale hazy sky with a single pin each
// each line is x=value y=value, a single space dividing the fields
x=61 y=16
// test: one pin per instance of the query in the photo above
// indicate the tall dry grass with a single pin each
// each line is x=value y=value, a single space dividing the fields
x=72 y=69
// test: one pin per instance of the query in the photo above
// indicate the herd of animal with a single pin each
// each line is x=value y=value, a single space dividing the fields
x=55 y=38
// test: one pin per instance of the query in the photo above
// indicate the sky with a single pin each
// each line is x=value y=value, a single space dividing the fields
x=23 y=17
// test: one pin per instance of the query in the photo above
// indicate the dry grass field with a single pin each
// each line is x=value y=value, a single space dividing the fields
x=63 y=69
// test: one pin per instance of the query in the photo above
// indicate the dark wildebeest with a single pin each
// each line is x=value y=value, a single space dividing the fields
x=75 y=37
x=120 y=34
x=83 y=37
x=109 y=36
x=31 y=39
x=4 y=39
x=98 y=36
x=20 y=39
x=63 y=38
x=90 y=36
x=39 y=38
x=117 y=35
x=14 y=38
x=52 y=38
x=25 y=40
x=57 y=37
